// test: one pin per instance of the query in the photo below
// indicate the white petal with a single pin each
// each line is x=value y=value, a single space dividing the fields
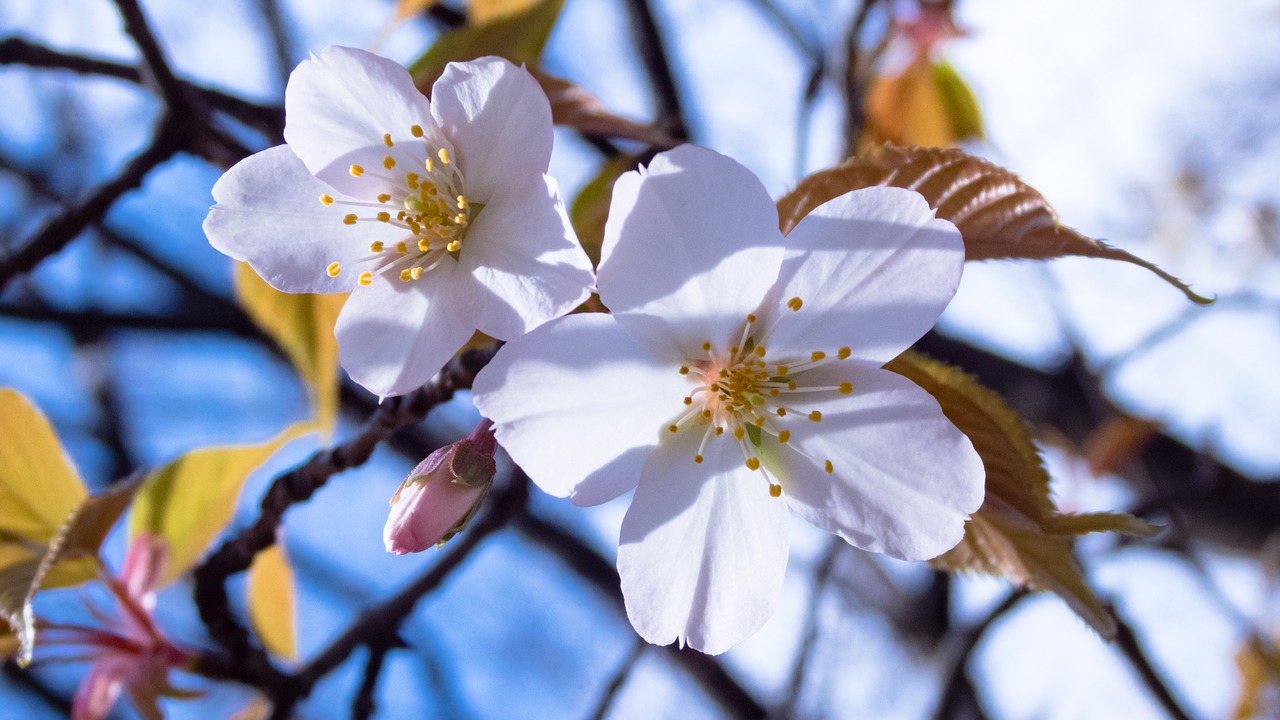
x=524 y=253
x=394 y=336
x=703 y=548
x=578 y=405
x=905 y=478
x=875 y=270
x=268 y=213
x=498 y=119
x=690 y=247
x=338 y=106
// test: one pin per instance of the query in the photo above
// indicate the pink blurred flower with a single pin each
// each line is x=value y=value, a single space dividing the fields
x=441 y=494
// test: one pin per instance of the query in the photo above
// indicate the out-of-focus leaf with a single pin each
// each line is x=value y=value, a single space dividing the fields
x=1116 y=442
x=190 y=500
x=574 y=107
x=961 y=107
x=302 y=325
x=271 y=601
x=480 y=12
x=590 y=208
x=907 y=109
x=519 y=38
x=999 y=215
x=1017 y=533
x=70 y=557
x=8 y=645
x=38 y=486
x=1259 y=671
x=258 y=708
x=409 y=8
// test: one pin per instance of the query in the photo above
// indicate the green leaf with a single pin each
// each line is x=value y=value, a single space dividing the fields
x=302 y=325
x=38 y=486
x=1018 y=532
x=190 y=500
x=960 y=106
x=590 y=209
x=518 y=37
x=999 y=216
x=272 y=601
x=753 y=433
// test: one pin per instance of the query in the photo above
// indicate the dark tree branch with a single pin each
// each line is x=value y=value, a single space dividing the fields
x=821 y=576
x=657 y=63
x=244 y=660
x=364 y=704
x=156 y=68
x=957 y=694
x=1127 y=643
x=610 y=694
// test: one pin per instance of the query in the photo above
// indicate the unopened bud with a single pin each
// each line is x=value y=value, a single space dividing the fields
x=442 y=493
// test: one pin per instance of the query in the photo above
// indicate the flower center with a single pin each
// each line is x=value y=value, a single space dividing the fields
x=743 y=393
x=426 y=201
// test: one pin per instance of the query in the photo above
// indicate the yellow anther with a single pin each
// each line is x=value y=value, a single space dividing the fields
x=388 y=162
x=795 y=304
x=444 y=156
x=459 y=219
x=706 y=346
x=424 y=245
x=688 y=401
x=386 y=140
x=454 y=246
x=698 y=459
x=356 y=170
x=349 y=219
x=431 y=166
x=792 y=385
x=753 y=463
x=775 y=491
x=402 y=248
x=416 y=130
x=366 y=279
x=384 y=198
x=375 y=246
x=815 y=416
x=462 y=202
x=846 y=388
x=773 y=392
x=384 y=217
x=673 y=428
x=817 y=355
x=760 y=421
x=844 y=353
x=719 y=431
x=782 y=370
x=411 y=179
x=326 y=200
x=684 y=369
x=333 y=269
x=751 y=318
x=782 y=412
x=739 y=433
x=759 y=351
x=784 y=435
x=706 y=414
x=415 y=273
x=406 y=275
x=830 y=468
x=430 y=189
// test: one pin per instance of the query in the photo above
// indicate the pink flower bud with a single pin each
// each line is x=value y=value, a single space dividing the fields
x=441 y=494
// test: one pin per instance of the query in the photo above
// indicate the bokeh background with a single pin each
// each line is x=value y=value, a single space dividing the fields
x=1154 y=125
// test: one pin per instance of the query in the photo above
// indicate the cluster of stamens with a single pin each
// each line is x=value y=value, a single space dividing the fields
x=425 y=201
x=743 y=393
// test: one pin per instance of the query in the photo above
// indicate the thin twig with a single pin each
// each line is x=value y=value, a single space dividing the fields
x=657 y=63
x=364 y=704
x=610 y=695
x=958 y=689
x=799 y=671
x=1127 y=643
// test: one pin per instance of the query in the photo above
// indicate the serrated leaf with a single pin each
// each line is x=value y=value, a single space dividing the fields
x=590 y=208
x=271 y=601
x=190 y=500
x=999 y=216
x=519 y=38
x=572 y=106
x=302 y=325
x=1018 y=532
x=38 y=485
x=69 y=558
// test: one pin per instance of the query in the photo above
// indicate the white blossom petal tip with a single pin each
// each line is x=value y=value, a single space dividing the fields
x=372 y=187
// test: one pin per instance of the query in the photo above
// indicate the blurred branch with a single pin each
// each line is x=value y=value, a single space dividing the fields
x=364 y=704
x=156 y=68
x=809 y=637
x=857 y=71
x=582 y=559
x=619 y=679
x=89 y=321
x=957 y=695
x=1128 y=645
x=657 y=63
x=244 y=661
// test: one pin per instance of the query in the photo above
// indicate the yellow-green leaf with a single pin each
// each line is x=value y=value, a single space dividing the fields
x=572 y=106
x=408 y=8
x=590 y=208
x=999 y=215
x=69 y=558
x=907 y=109
x=302 y=325
x=1018 y=532
x=960 y=106
x=271 y=601
x=190 y=500
x=519 y=38
x=38 y=486
x=480 y=12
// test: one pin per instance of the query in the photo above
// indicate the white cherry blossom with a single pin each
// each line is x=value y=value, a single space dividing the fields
x=739 y=375
x=437 y=215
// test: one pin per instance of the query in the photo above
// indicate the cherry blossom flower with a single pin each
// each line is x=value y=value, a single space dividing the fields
x=129 y=654
x=437 y=215
x=739 y=374
x=441 y=494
